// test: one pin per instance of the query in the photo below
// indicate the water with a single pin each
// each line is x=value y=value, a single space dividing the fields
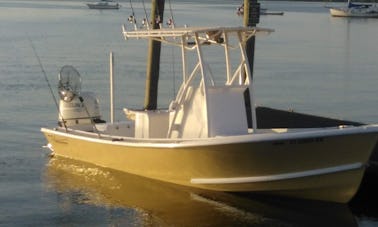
x=312 y=63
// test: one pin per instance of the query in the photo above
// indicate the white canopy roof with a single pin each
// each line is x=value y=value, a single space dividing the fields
x=204 y=33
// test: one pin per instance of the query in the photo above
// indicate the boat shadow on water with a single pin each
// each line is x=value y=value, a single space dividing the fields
x=365 y=202
x=152 y=202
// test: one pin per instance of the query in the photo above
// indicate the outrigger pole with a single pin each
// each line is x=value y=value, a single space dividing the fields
x=153 y=58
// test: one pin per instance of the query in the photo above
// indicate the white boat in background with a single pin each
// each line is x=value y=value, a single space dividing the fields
x=104 y=4
x=203 y=140
x=355 y=10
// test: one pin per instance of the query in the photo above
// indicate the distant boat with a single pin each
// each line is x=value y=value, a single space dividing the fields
x=355 y=10
x=263 y=11
x=104 y=4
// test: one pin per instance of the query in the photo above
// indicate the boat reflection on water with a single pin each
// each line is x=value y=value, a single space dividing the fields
x=149 y=202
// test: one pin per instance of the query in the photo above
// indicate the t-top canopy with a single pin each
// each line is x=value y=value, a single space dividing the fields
x=210 y=34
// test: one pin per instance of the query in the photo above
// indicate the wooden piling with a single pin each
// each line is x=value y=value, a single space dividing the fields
x=153 y=58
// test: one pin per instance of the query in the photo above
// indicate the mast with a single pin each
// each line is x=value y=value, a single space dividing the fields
x=153 y=58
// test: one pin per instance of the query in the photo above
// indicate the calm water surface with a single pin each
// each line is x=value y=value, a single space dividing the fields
x=312 y=63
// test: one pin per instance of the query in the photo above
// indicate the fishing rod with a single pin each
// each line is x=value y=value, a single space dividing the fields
x=171 y=21
x=52 y=93
x=145 y=13
x=48 y=82
x=131 y=18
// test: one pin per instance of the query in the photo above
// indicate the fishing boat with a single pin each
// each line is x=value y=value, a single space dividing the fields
x=355 y=10
x=104 y=4
x=203 y=140
x=263 y=11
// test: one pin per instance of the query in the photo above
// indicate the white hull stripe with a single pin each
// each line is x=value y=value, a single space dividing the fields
x=285 y=176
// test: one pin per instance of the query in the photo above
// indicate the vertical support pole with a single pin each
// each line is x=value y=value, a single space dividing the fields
x=111 y=70
x=183 y=56
x=227 y=53
x=153 y=59
x=203 y=81
x=251 y=19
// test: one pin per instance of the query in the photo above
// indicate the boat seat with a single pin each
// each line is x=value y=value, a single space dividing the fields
x=149 y=123
x=117 y=129
x=225 y=115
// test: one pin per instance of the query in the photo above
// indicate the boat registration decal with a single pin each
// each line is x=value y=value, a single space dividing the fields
x=299 y=141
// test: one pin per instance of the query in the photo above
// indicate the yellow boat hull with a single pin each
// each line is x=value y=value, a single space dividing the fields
x=321 y=168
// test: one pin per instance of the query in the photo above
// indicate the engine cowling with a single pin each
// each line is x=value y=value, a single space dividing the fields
x=76 y=109
x=81 y=110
